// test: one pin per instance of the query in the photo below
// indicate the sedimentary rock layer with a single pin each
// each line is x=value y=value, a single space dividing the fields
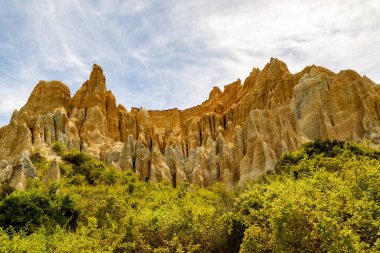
x=235 y=135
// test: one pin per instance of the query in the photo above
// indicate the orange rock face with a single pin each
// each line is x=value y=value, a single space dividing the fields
x=236 y=135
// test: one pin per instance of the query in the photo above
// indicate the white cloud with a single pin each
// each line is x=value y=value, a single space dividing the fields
x=162 y=54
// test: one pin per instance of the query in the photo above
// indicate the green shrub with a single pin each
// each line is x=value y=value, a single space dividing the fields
x=5 y=190
x=27 y=210
x=21 y=209
x=286 y=162
x=40 y=162
x=327 y=148
x=59 y=147
x=85 y=166
x=330 y=206
x=37 y=158
x=92 y=171
x=75 y=157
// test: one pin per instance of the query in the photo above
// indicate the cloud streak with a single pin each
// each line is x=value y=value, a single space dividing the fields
x=162 y=54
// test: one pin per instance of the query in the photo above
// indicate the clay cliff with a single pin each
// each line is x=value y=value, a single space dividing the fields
x=235 y=135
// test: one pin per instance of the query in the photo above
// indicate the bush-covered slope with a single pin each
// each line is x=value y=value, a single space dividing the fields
x=323 y=198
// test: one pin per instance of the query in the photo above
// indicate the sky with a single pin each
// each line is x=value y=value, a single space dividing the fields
x=161 y=54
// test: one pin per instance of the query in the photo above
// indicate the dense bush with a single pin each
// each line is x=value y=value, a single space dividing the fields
x=322 y=198
x=27 y=210
x=87 y=169
x=40 y=162
x=327 y=148
x=59 y=147
x=332 y=205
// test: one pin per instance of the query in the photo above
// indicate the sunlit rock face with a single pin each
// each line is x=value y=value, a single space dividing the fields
x=235 y=135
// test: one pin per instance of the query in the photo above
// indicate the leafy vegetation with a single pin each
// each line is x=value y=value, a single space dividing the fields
x=86 y=168
x=30 y=209
x=322 y=198
x=59 y=147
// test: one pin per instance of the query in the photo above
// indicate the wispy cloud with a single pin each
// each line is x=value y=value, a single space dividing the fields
x=161 y=54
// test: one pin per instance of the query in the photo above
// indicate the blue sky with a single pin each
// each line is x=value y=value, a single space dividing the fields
x=161 y=54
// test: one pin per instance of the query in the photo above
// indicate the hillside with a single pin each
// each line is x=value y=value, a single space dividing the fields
x=322 y=198
x=236 y=135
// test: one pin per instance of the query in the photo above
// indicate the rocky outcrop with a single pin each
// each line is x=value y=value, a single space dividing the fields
x=343 y=106
x=235 y=135
x=16 y=171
